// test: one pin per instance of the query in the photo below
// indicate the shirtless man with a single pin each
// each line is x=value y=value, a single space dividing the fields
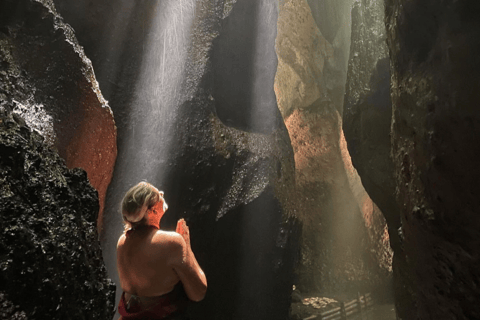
x=153 y=264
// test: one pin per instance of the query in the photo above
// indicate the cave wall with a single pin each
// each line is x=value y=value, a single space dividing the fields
x=46 y=74
x=368 y=112
x=50 y=256
x=333 y=19
x=227 y=165
x=340 y=222
x=435 y=146
x=368 y=109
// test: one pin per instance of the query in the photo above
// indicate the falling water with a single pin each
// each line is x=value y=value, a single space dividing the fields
x=148 y=115
x=157 y=92
x=179 y=45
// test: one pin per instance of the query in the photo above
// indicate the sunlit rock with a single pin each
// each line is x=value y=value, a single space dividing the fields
x=333 y=19
x=45 y=73
x=340 y=223
x=377 y=228
x=50 y=258
x=303 y=54
x=436 y=146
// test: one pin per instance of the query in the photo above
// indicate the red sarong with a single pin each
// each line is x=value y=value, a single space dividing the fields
x=168 y=306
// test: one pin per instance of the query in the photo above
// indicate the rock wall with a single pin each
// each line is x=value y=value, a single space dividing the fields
x=340 y=224
x=46 y=74
x=368 y=109
x=219 y=149
x=333 y=19
x=50 y=256
x=435 y=146
x=368 y=112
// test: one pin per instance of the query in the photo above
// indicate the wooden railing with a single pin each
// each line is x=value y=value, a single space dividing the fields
x=346 y=309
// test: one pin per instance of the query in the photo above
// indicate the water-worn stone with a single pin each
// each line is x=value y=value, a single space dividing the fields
x=50 y=258
x=46 y=74
x=436 y=146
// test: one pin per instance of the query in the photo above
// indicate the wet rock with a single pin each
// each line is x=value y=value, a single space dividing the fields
x=435 y=146
x=331 y=202
x=50 y=258
x=47 y=76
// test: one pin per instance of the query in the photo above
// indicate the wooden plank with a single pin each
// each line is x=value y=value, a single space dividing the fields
x=349 y=313
x=351 y=307
x=350 y=303
x=337 y=309
x=335 y=316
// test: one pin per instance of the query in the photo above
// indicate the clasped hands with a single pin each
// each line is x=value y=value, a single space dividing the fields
x=183 y=230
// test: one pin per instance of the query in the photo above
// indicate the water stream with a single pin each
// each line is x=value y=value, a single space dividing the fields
x=146 y=120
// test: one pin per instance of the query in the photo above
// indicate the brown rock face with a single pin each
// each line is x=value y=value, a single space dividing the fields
x=303 y=55
x=47 y=76
x=340 y=222
x=92 y=145
x=436 y=145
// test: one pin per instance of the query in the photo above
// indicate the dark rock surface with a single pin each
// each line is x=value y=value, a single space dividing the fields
x=50 y=258
x=368 y=109
x=10 y=311
x=436 y=146
x=45 y=73
x=368 y=112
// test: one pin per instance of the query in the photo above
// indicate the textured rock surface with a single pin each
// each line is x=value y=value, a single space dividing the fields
x=9 y=310
x=309 y=67
x=219 y=149
x=45 y=73
x=340 y=224
x=368 y=111
x=333 y=19
x=50 y=258
x=436 y=145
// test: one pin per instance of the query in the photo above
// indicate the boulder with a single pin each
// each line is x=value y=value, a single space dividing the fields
x=435 y=146
x=50 y=256
x=46 y=74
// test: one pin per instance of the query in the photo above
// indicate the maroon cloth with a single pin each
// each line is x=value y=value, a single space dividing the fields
x=168 y=306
